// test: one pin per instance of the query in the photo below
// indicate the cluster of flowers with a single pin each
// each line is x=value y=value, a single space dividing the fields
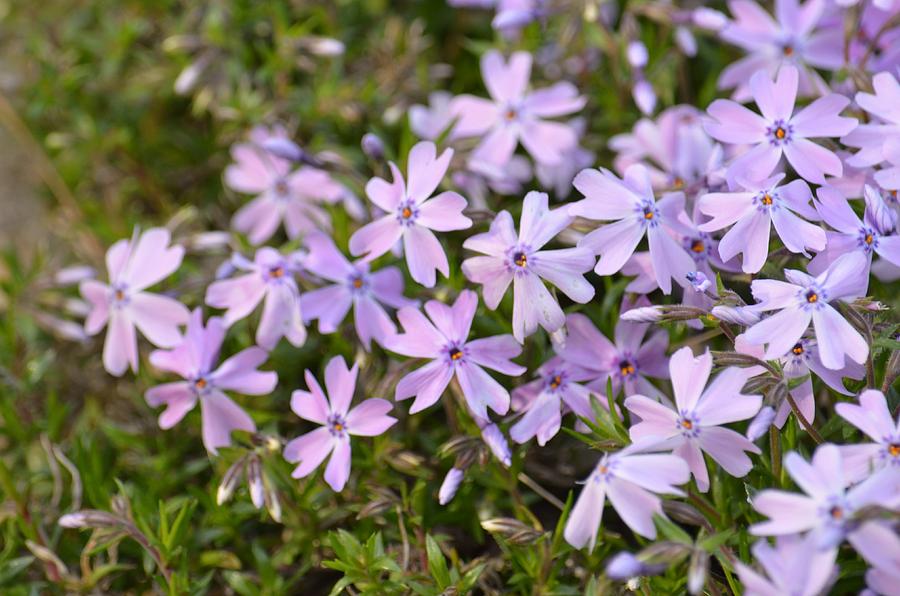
x=705 y=189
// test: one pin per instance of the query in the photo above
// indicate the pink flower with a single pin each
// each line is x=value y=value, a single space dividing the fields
x=779 y=131
x=368 y=419
x=874 y=419
x=631 y=204
x=629 y=478
x=542 y=400
x=268 y=277
x=194 y=360
x=628 y=362
x=514 y=114
x=827 y=509
x=412 y=215
x=444 y=340
x=795 y=566
x=873 y=139
x=122 y=304
x=283 y=194
x=694 y=427
x=753 y=211
x=794 y=39
x=518 y=259
x=354 y=286
x=804 y=298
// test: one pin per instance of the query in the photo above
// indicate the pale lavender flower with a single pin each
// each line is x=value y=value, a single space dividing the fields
x=514 y=114
x=627 y=363
x=194 y=359
x=674 y=147
x=753 y=211
x=631 y=204
x=543 y=400
x=801 y=361
x=872 y=138
x=644 y=95
x=354 y=286
x=779 y=131
x=496 y=442
x=444 y=340
x=513 y=15
x=874 y=419
x=339 y=422
x=122 y=305
x=558 y=177
x=284 y=194
x=794 y=39
x=794 y=566
x=827 y=508
x=629 y=478
x=480 y=179
x=412 y=214
x=695 y=426
x=268 y=277
x=866 y=236
x=518 y=259
x=431 y=121
x=804 y=299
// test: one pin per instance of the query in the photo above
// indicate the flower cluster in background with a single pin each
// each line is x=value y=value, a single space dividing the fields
x=593 y=268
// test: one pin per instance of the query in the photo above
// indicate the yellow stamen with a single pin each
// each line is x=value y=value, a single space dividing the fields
x=120 y=295
x=338 y=426
x=812 y=297
x=836 y=512
x=556 y=382
x=780 y=133
x=687 y=424
x=200 y=383
x=894 y=449
x=797 y=349
x=357 y=283
x=406 y=213
x=698 y=246
x=521 y=259
x=869 y=239
x=276 y=272
x=767 y=198
x=455 y=354
x=626 y=369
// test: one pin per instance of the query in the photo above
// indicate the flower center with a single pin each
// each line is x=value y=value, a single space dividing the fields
x=200 y=383
x=894 y=449
x=767 y=198
x=626 y=367
x=648 y=213
x=812 y=297
x=406 y=213
x=337 y=425
x=120 y=295
x=510 y=114
x=836 y=512
x=797 y=349
x=698 y=246
x=678 y=182
x=555 y=381
x=357 y=283
x=779 y=132
x=788 y=50
x=520 y=259
x=276 y=272
x=281 y=187
x=687 y=424
x=455 y=354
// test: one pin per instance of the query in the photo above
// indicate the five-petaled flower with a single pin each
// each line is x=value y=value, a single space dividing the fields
x=444 y=340
x=123 y=304
x=367 y=419
x=694 y=426
x=412 y=214
x=520 y=260
x=778 y=131
x=269 y=276
x=194 y=359
x=873 y=418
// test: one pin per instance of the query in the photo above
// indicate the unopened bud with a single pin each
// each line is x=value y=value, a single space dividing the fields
x=684 y=513
x=623 y=566
x=283 y=148
x=708 y=18
x=644 y=314
x=494 y=439
x=372 y=146
x=512 y=530
x=229 y=481
x=450 y=485
x=697 y=571
x=736 y=315
x=255 y=480
x=760 y=423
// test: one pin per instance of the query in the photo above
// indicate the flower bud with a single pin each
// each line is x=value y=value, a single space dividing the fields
x=760 y=423
x=255 y=480
x=229 y=481
x=450 y=485
x=511 y=529
x=623 y=566
x=736 y=315
x=644 y=314
x=637 y=54
x=699 y=282
x=372 y=146
x=708 y=18
x=494 y=439
x=283 y=148
x=697 y=571
x=72 y=275
x=644 y=96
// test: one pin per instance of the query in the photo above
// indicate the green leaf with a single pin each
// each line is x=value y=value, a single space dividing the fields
x=437 y=565
x=671 y=530
x=711 y=543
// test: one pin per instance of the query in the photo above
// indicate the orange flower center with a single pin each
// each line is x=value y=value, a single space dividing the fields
x=894 y=449
x=520 y=259
x=556 y=382
x=797 y=349
x=456 y=354
x=812 y=297
x=200 y=383
x=687 y=424
x=767 y=198
x=780 y=133
x=357 y=283
x=276 y=272
x=869 y=239
x=698 y=246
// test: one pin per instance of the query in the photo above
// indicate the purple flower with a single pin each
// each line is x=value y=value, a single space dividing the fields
x=801 y=361
x=514 y=114
x=543 y=399
x=627 y=362
x=430 y=122
x=794 y=566
x=752 y=214
x=827 y=508
x=518 y=259
x=694 y=426
x=558 y=177
x=874 y=419
x=194 y=359
x=779 y=131
x=443 y=340
x=412 y=214
x=450 y=485
x=354 y=286
x=791 y=40
x=368 y=419
x=804 y=298
x=283 y=194
x=675 y=149
x=852 y=234
x=269 y=276
x=630 y=202
x=629 y=478
x=122 y=304
x=874 y=138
